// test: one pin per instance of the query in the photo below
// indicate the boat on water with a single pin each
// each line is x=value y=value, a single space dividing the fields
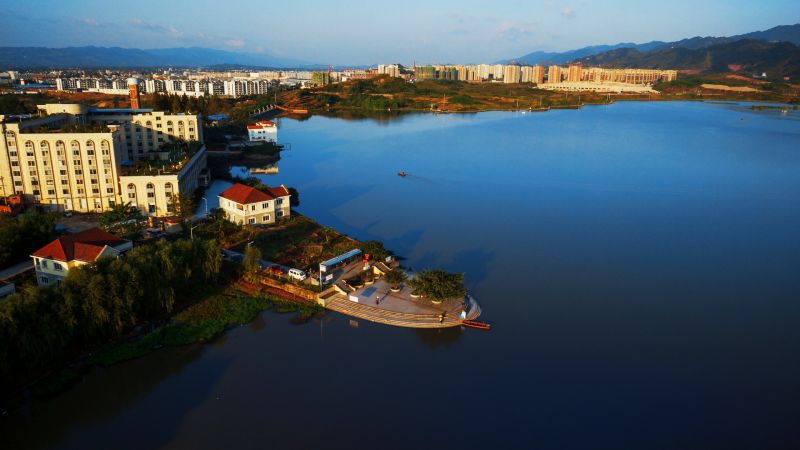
x=475 y=324
x=401 y=174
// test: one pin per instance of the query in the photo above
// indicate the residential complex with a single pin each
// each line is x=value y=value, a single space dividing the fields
x=245 y=205
x=74 y=158
x=574 y=73
x=54 y=261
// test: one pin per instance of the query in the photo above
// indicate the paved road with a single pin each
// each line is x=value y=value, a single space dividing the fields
x=16 y=270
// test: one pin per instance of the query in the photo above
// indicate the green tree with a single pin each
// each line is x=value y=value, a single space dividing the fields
x=182 y=206
x=294 y=200
x=252 y=262
x=124 y=219
x=438 y=284
x=395 y=277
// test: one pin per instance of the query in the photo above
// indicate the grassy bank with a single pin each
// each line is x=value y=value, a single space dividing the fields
x=199 y=323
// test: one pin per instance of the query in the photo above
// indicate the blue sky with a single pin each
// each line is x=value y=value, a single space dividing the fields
x=367 y=32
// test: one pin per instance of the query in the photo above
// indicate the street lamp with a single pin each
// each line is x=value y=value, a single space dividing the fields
x=206 y=203
x=191 y=232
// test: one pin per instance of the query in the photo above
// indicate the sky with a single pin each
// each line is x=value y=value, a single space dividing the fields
x=348 y=32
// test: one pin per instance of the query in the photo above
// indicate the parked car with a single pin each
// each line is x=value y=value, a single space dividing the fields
x=275 y=270
x=297 y=274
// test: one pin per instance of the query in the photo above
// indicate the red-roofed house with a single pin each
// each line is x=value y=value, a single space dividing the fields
x=263 y=131
x=54 y=260
x=246 y=205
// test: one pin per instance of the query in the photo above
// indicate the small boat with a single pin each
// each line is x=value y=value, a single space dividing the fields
x=478 y=325
x=401 y=174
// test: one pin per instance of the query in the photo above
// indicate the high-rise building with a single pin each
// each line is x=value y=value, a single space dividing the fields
x=425 y=73
x=511 y=74
x=574 y=72
x=555 y=74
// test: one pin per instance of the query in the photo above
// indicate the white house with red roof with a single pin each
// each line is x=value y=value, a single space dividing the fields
x=54 y=260
x=245 y=205
x=263 y=130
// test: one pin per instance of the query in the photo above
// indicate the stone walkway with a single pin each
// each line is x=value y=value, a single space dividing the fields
x=400 y=309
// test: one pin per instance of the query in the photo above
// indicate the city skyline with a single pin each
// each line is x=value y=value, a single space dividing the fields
x=351 y=33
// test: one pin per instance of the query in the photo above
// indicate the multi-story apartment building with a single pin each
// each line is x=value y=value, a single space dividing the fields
x=191 y=87
x=72 y=158
x=512 y=74
x=555 y=74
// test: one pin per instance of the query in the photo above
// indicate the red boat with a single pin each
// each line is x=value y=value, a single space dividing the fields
x=478 y=325
x=401 y=174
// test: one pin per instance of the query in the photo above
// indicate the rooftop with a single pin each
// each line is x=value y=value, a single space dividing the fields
x=85 y=246
x=243 y=194
x=176 y=155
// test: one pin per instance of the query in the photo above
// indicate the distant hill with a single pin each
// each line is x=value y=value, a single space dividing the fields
x=116 y=57
x=786 y=33
x=548 y=58
x=777 y=59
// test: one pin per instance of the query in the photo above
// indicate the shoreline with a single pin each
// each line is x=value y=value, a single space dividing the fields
x=338 y=112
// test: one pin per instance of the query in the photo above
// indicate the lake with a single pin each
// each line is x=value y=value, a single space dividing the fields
x=640 y=263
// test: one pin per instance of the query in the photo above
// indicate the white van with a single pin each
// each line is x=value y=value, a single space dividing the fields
x=297 y=274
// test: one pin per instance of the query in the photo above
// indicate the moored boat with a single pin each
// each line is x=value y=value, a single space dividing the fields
x=401 y=174
x=475 y=324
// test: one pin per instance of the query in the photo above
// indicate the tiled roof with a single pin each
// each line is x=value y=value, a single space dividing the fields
x=244 y=194
x=261 y=124
x=84 y=246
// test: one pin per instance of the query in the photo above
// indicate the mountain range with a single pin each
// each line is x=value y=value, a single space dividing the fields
x=117 y=57
x=785 y=33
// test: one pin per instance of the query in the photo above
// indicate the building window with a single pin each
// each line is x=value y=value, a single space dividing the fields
x=151 y=209
x=58 y=267
x=265 y=218
x=251 y=220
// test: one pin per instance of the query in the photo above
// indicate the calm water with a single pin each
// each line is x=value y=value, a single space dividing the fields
x=640 y=263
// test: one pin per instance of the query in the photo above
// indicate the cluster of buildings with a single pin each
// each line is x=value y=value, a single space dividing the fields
x=555 y=75
x=74 y=158
x=234 y=87
x=243 y=205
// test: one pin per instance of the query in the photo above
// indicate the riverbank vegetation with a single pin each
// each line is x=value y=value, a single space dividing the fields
x=43 y=328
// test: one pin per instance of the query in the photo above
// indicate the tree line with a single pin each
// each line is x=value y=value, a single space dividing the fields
x=41 y=328
x=21 y=236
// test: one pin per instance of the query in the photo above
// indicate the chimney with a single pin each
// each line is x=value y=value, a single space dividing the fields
x=133 y=92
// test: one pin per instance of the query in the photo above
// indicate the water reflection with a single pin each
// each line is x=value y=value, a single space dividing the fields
x=438 y=338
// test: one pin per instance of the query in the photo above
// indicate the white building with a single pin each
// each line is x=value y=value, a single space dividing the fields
x=73 y=158
x=245 y=205
x=263 y=131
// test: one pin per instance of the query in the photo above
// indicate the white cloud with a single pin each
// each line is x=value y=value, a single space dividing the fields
x=568 y=12
x=514 y=30
x=90 y=22
x=235 y=43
